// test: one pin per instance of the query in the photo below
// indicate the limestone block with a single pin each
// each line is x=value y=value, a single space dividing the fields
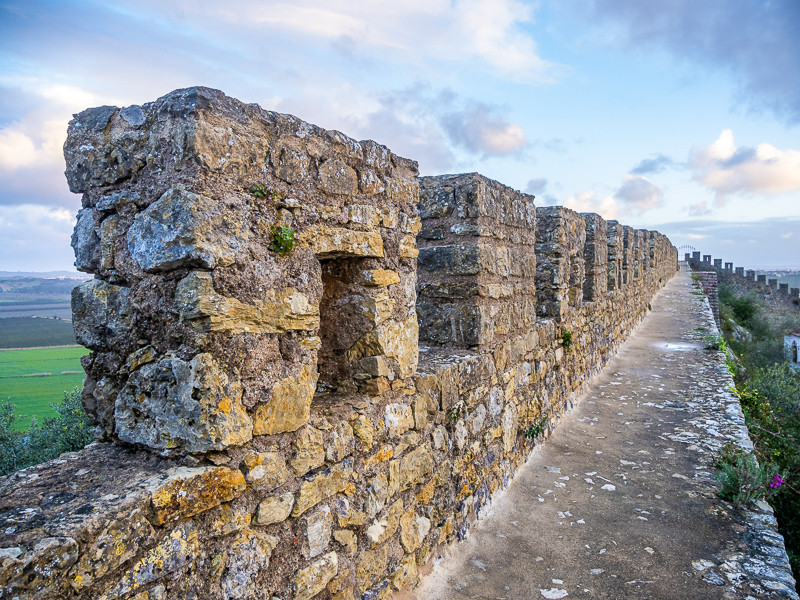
x=40 y=572
x=336 y=177
x=369 y=567
x=397 y=341
x=174 y=552
x=364 y=430
x=377 y=308
x=370 y=183
x=510 y=422
x=311 y=580
x=403 y=191
x=341 y=443
x=101 y=314
x=292 y=166
x=364 y=214
x=278 y=311
x=177 y=404
x=85 y=242
x=308 y=451
x=347 y=539
x=375 y=366
x=399 y=418
x=380 y=277
x=93 y=159
x=323 y=485
x=189 y=491
x=248 y=556
x=317 y=527
x=331 y=242
x=140 y=357
x=382 y=529
x=408 y=246
x=413 y=530
x=119 y=542
x=411 y=469
x=184 y=229
x=290 y=406
x=264 y=471
x=406 y=573
x=275 y=509
x=452 y=260
x=230 y=520
x=108 y=237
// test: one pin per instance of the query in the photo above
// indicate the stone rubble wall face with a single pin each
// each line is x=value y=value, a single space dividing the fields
x=221 y=474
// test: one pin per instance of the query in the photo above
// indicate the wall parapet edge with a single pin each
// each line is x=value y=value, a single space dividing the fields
x=272 y=421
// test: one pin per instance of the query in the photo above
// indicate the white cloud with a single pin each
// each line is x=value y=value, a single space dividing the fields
x=463 y=31
x=606 y=207
x=728 y=170
x=35 y=238
x=639 y=194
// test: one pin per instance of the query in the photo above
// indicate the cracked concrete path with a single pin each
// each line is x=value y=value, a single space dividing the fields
x=620 y=501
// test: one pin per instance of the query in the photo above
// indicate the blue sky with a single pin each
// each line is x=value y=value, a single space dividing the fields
x=675 y=115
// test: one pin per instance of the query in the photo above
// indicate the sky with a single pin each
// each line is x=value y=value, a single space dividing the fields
x=674 y=115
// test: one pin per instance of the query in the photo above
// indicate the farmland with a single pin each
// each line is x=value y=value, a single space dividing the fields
x=33 y=332
x=33 y=378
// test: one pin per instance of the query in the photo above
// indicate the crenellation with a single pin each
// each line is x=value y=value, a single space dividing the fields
x=309 y=420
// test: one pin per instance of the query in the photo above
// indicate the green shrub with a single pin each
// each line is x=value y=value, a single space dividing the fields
x=283 y=239
x=743 y=479
x=68 y=432
x=566 y=339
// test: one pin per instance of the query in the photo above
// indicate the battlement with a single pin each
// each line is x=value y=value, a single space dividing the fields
x=309 y=366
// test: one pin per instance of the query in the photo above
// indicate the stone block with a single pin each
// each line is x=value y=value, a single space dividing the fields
x=101 y=314
x=290 y=406
x=184 y=229
x=323 y=485
x=190 y=491
x=332 y=242
x=311 y=580
x=337 y=178
x=275 y=509
x=264 y=471
x=451 y=260
x=173 y=404
x=317 y=527
x=248 y=556
x=308 y=451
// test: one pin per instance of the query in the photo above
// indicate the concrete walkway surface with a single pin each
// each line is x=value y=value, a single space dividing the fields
x=620 y=502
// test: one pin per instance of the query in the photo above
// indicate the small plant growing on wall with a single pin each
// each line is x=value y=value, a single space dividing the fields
x=266 y=192
x=743 y=479
x=282 y=239
x=566 y=339
x=455 y=413
x=536 y=429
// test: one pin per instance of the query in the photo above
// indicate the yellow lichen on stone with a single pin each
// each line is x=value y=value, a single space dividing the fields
x=190 y=491
x=290 y=406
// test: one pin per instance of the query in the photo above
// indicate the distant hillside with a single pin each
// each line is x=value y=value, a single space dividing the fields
x=43 y=274
x=790 y=276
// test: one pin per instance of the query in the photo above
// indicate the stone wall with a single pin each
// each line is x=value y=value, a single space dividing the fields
x=297 y=424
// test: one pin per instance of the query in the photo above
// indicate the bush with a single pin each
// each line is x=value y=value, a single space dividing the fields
x=743 y=479
x=68 y=432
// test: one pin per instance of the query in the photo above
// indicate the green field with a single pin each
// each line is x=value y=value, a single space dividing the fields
x=30 y=332
x=33 y=394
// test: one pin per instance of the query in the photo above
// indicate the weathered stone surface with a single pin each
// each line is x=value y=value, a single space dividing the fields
x=310 y=581
x=323 y=485
x=85 y=242
x=275 y=509
x=414 y=528
x=101 y=314
x=399 y=418
x=206 y=310
x=397 y=341
x=290 y=406
x=184 y=229
x=308 y=451
x=452 y=260
x=174 y=552
x=341 y=443
x=264 y=470
x=381 y=277
x=406 y=573
x=336 y=177
x=116 y=544
x=190 y=491
x=347 y=539
x=229 y=520
x=41 y=572
x=248 y=556
x=317 y=527
x=411 y=468
x=330 y=242
x=174 y=404
x=369 y=566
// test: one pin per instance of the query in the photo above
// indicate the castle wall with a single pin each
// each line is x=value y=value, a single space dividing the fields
x=276 y=425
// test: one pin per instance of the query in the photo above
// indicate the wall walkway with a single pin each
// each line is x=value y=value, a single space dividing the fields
x=621 y=503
